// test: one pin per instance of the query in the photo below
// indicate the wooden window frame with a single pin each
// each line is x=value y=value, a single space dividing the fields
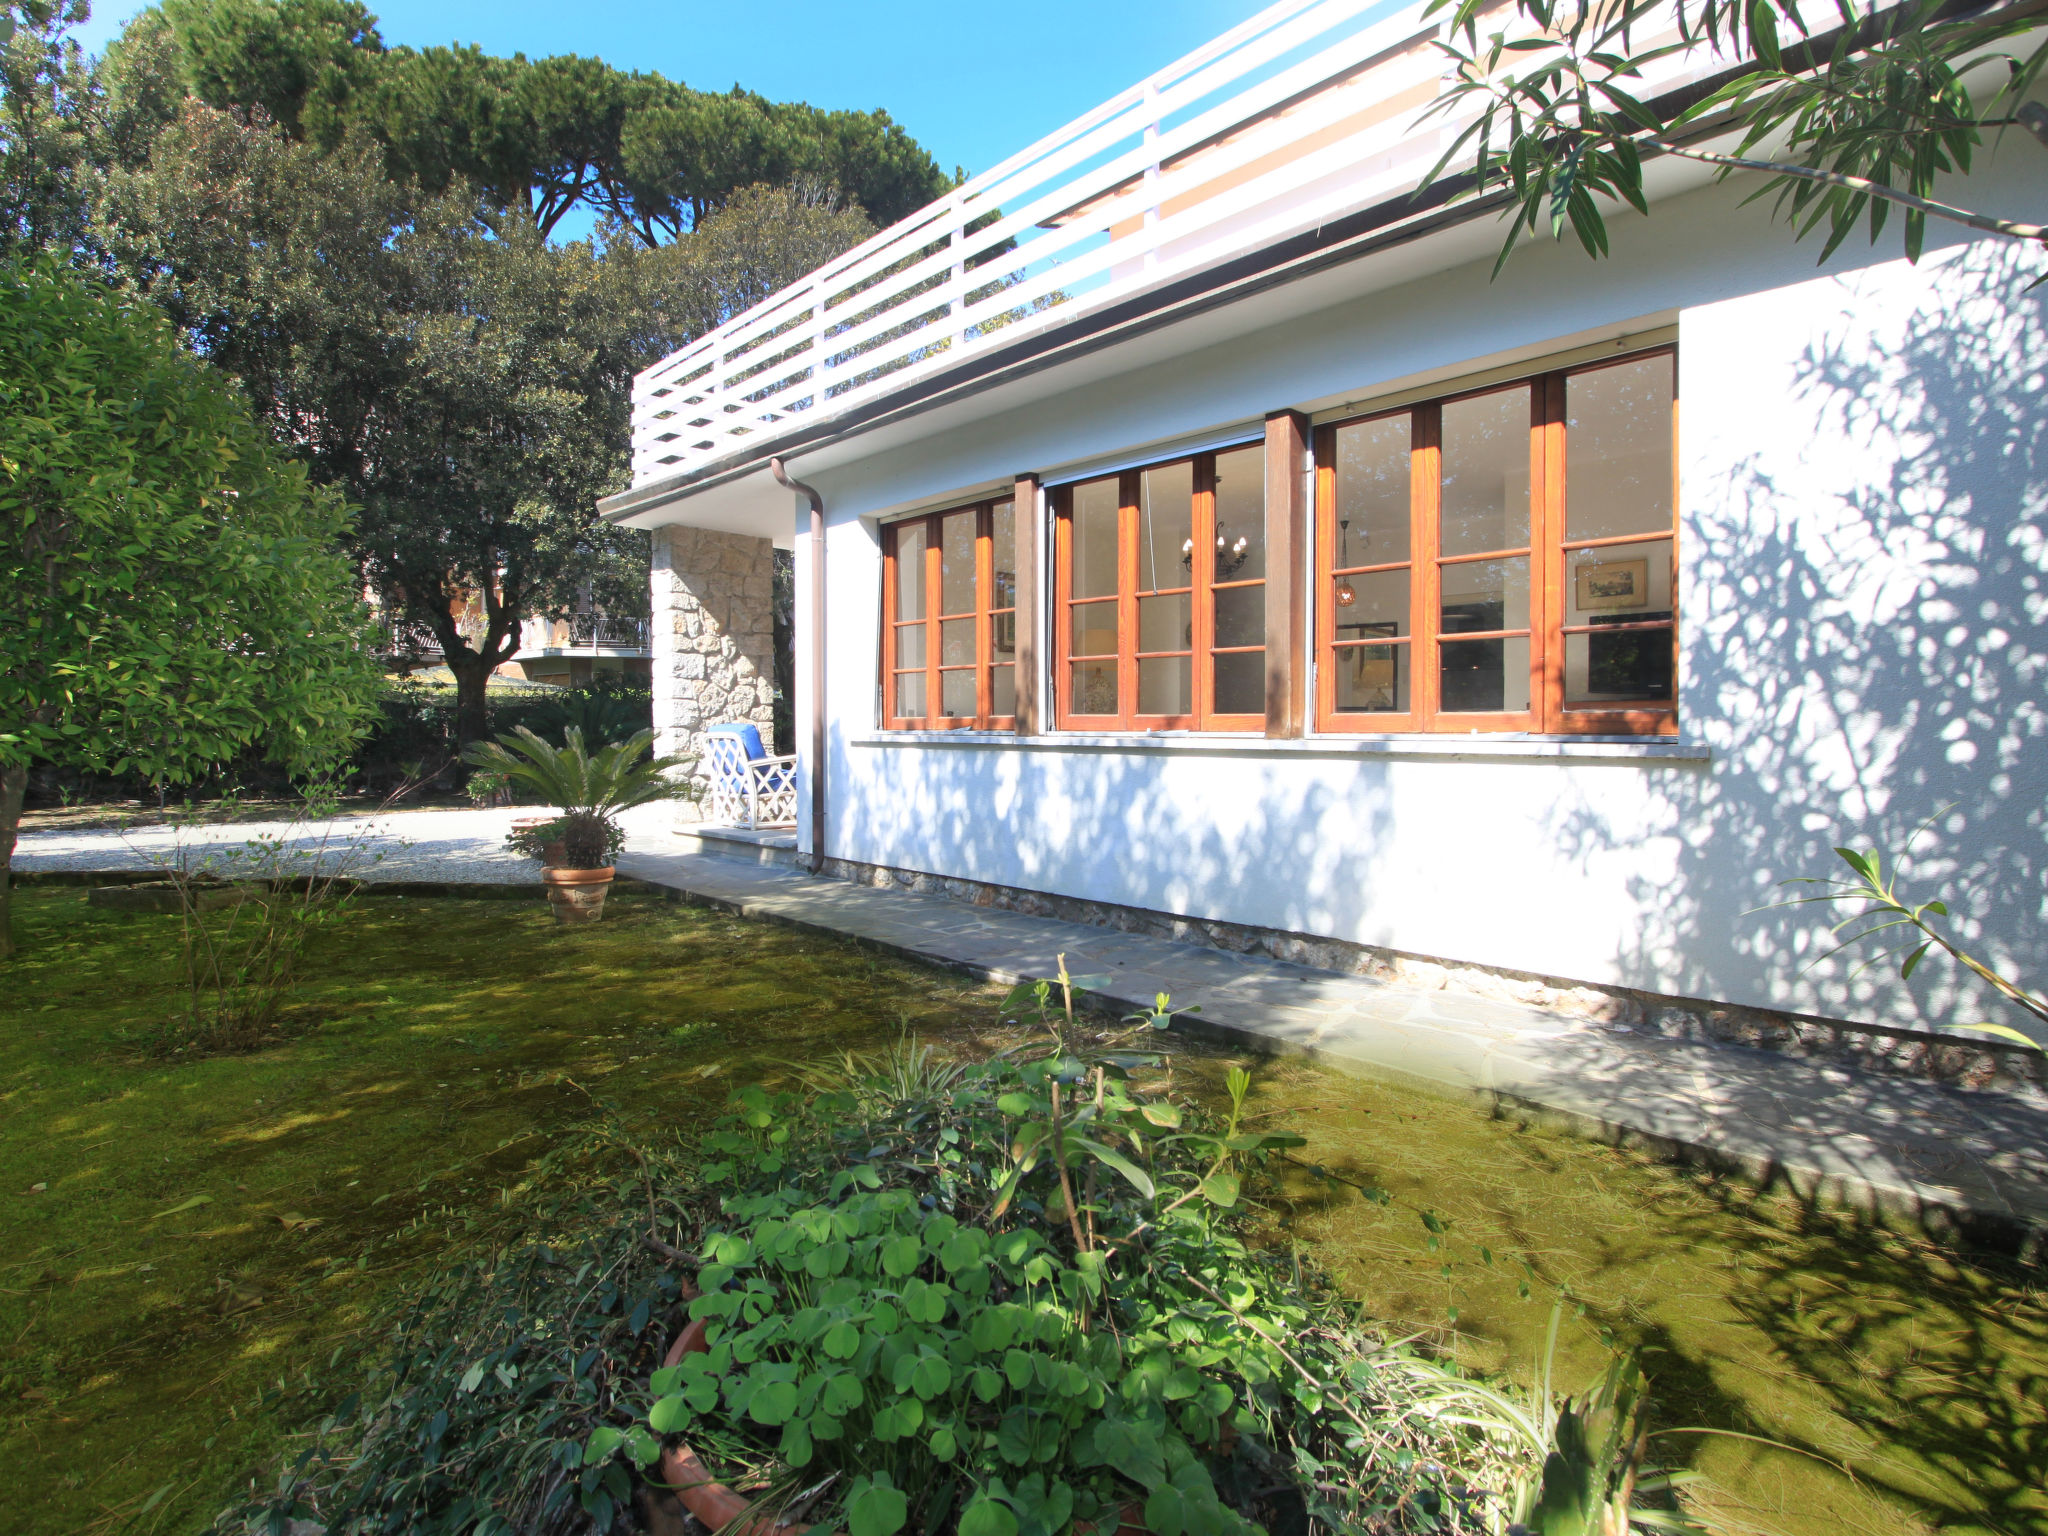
x=984 y=616
x=1548 y=551
x=1201 y=589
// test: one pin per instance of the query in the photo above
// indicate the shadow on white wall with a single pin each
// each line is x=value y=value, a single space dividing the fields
x=1874 y=640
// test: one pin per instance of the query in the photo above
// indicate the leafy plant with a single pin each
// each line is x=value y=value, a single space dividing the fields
x=1887 y=910
x=587 y=840
x=1005 y=1298
x=590 y=789
x=1849 y=116
x=487 y=789
x=173 y=594
x=603 y=716
x=888 y=1353
x=242 y=961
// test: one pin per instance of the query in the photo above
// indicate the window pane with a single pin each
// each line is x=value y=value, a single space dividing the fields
x=1373 y=491
x=1003 y=691
x=1370 y=605
x=1617 y=582
x=1164 y=685
x=1002 y=636
x=1241 y=616
x=1166 y=623
x=1629 y=665
x=1480 y=595
x=910 y=645
x=956 y=642
x=1094 y=631
x=1166 y=512
x=1614 y=585
x=910 y=695
x=1094 y=530
x=1094 y=688
x=1241 y=514
x=1372 y=678
x=1003 y=538
x=1486 y=473
x=1618 y=450
x=956 y=562
x=956 y=695
x=1485 y=675
x=1241 y=683
x=910 y=543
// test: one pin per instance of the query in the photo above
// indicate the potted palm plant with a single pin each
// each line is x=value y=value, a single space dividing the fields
x=589 y=790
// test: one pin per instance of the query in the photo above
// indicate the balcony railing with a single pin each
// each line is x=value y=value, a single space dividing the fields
x=595 y=631
x=413 y=640
x=1302 y=114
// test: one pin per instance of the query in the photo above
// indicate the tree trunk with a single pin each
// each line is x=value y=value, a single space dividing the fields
x=472 y=712
x=13 y=788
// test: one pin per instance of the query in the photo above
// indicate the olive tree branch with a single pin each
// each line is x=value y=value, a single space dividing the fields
x=1983 y=221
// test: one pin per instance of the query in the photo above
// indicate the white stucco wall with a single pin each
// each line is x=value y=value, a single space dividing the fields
x=1864 y=469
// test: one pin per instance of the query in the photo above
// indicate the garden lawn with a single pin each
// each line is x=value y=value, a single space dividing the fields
x=210 y=1231
x=180 y=1240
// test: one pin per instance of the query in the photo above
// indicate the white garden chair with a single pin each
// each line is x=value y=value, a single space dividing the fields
x=748 y=787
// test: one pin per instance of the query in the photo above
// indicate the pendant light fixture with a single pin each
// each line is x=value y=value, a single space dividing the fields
x=1345 y=594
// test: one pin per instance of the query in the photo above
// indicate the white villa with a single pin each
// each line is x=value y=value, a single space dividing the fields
x=1193 y=533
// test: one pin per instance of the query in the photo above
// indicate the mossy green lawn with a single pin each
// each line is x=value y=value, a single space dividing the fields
x=155 y=1353
x=208 y=1230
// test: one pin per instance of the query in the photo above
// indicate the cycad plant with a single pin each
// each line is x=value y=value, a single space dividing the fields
x=590 y=789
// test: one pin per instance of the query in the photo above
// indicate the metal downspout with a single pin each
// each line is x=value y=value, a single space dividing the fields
x=782 y=478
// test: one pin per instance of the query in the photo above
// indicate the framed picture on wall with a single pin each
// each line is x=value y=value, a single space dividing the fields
x=1616 y=584
x=1374 y=680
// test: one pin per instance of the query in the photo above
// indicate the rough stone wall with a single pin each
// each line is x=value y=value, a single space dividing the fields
x=713 y=639
x=1962 y=1063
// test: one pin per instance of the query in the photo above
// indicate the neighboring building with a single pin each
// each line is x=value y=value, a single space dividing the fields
x=1192 y=532
x=568 y=652
x=576 y=650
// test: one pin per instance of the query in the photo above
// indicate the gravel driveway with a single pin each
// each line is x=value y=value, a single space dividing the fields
x=453 y=845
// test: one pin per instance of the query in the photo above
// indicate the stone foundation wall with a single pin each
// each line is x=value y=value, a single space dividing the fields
x=1623 y=1010
x=713 y=639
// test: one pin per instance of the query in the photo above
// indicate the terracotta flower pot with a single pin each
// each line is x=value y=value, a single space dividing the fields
x=553 y=855
x=577 y=895
x=716 y=1505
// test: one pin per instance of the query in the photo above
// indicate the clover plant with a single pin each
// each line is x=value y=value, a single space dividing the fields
x=1032 y=1322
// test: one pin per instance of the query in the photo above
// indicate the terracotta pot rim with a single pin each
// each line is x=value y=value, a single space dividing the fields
x=716 y=1505
x=597 y=876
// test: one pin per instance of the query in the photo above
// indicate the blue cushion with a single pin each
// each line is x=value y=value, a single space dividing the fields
x=749 y=735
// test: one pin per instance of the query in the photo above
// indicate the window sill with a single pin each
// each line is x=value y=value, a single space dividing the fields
x=1433 y=745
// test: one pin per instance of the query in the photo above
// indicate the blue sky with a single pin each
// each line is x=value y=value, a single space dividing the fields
x=972 y=82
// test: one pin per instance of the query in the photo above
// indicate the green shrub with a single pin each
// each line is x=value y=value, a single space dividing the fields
x=906 y=1332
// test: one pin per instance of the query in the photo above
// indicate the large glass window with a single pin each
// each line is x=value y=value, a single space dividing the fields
x=949 y=619
x=1503 y=560
x=1162 y=596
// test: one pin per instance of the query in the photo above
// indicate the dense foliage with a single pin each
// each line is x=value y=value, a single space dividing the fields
x=1007 y=1299
x=174 y=591
x=367 y=239
x=538 y=138
x=1850 y=113
x=590 y=788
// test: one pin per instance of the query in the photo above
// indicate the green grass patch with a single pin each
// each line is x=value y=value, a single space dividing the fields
x=208 y=1232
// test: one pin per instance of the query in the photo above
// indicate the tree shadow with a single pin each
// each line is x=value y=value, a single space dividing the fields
x=1867 y=571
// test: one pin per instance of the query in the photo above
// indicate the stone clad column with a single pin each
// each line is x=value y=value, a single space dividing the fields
x=713 y=597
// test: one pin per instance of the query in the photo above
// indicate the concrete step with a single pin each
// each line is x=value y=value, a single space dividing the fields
x=773 y=847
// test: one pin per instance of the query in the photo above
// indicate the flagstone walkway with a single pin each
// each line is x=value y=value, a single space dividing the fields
x=1937 y=1154
x=1941 y=1155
